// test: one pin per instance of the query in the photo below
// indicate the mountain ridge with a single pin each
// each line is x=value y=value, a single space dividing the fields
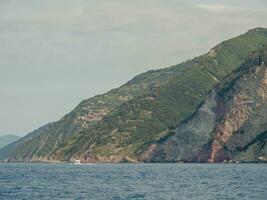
x=123 y=123
x=7 y=139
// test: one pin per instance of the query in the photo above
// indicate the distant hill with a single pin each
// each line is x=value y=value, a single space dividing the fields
x=208 y=109
x=7 y=139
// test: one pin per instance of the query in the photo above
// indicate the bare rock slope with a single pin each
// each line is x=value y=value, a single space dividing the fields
x=231 y=124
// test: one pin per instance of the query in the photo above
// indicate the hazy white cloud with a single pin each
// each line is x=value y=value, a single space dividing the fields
x=226 y=8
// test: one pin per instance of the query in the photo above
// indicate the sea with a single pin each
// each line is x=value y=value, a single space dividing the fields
x=132 y=181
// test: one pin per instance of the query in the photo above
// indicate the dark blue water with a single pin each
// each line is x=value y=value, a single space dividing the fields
x=133 y=181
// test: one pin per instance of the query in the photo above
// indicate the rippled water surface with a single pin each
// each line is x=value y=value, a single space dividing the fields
x=133 y=181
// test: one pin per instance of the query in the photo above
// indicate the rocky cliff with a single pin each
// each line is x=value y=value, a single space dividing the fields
x=208 y=109
x=229 y=125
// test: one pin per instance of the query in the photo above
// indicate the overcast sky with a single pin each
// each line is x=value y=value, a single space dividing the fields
x=54 y=53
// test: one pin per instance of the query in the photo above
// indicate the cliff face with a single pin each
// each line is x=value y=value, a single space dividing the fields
x=189 y=138
x=243 y=125
x=207 y=109
x=230 y=125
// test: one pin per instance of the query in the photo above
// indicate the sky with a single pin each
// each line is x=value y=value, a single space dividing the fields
x=55 y=53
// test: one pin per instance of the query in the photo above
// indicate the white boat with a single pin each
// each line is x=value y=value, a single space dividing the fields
x=77 y=162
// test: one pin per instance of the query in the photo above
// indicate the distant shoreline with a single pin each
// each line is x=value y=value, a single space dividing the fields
x=67 y=162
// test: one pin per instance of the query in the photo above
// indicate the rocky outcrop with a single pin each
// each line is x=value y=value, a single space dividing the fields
x=230 y=125
x=190 y=137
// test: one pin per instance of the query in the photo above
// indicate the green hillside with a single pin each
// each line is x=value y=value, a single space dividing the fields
x=124 y=122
